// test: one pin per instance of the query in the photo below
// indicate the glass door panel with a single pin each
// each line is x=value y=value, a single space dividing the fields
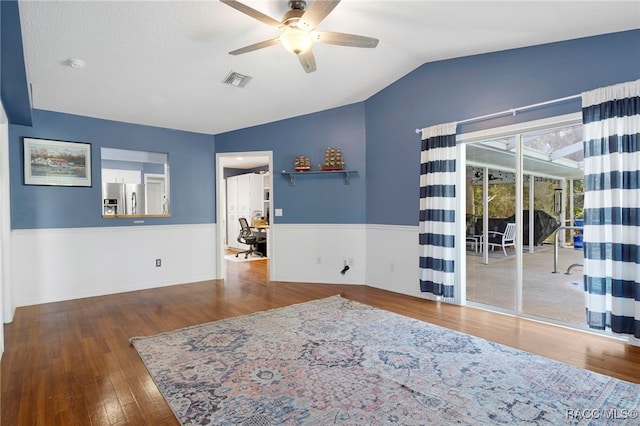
x=491 y=273
x=557 y=296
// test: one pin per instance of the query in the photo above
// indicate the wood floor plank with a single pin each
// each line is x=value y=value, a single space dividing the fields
x=70 y=363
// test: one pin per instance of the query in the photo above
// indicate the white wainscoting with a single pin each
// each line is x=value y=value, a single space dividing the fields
x=315 y=253
x=49 y=265
x=384 y=256
x=392 y=259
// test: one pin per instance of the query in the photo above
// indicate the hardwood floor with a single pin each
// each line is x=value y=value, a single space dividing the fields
x=70 y=363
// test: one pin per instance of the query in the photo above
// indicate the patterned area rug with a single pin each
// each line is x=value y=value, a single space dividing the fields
x=335 y=361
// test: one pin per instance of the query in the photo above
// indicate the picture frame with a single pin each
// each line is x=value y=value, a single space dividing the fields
x=57 y=163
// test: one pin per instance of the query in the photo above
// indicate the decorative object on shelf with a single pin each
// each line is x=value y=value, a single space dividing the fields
x=332 y=159
x=302 y=163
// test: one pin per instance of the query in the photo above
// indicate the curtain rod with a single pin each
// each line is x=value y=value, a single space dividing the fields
x=513 y=111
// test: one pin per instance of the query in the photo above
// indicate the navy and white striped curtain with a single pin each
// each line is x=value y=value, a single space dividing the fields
x=438 y=211
x=611 y=118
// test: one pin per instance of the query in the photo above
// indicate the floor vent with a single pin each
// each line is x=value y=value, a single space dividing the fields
x=236 y=79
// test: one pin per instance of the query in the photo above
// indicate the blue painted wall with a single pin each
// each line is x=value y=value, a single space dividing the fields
x=191 y=168
x=314 y=198
x=13 y=77
x=467 y=87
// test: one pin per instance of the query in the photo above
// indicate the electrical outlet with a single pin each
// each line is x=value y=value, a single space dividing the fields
x=158 y=263
x=392 y=266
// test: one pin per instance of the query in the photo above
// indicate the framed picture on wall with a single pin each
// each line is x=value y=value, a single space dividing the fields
x=48 y=162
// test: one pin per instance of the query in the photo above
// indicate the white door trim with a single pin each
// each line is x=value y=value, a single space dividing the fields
x=220 y=213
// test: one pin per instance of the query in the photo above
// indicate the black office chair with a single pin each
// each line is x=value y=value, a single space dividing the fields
x=246 y=236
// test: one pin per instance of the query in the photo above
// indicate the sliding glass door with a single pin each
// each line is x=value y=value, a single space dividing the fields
x=520 y=184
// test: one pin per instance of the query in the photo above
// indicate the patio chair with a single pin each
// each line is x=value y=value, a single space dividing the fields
x=503 y=239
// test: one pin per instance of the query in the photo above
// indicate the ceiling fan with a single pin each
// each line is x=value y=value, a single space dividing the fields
x=297 y=30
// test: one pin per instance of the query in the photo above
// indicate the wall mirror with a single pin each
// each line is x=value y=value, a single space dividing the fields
x=134 y=183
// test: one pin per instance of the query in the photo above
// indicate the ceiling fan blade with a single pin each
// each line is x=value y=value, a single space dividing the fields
x=318 y=10
x=342 y=39
x=308 y=61
x=252 y=12
x=255 y=46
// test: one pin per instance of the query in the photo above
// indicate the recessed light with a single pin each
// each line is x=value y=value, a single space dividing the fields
x=75 y=63
x=239 y=158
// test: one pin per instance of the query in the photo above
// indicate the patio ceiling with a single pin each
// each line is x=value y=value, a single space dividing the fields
x=553 y=153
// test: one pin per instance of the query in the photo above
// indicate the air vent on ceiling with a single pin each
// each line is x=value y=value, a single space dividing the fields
x=236 y=79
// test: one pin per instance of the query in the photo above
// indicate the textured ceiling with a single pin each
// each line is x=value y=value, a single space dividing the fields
x=161 y=63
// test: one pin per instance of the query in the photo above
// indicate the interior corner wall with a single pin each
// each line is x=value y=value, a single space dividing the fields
x=322 y=217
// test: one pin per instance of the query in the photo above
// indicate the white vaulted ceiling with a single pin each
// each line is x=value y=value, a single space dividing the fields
x=161 y=63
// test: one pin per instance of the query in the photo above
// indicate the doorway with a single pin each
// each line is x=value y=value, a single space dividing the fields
x=233 y=164
x=155 y=199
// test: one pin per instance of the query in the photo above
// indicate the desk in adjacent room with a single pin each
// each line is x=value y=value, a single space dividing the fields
x=262 y=232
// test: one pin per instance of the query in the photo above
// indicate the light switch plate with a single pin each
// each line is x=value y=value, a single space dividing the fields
x=278 y=212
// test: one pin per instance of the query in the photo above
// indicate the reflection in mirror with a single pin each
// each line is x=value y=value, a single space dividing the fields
x=134 y=183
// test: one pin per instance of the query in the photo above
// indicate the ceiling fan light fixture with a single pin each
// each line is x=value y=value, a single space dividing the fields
x=296 y=41
x=297 y=30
